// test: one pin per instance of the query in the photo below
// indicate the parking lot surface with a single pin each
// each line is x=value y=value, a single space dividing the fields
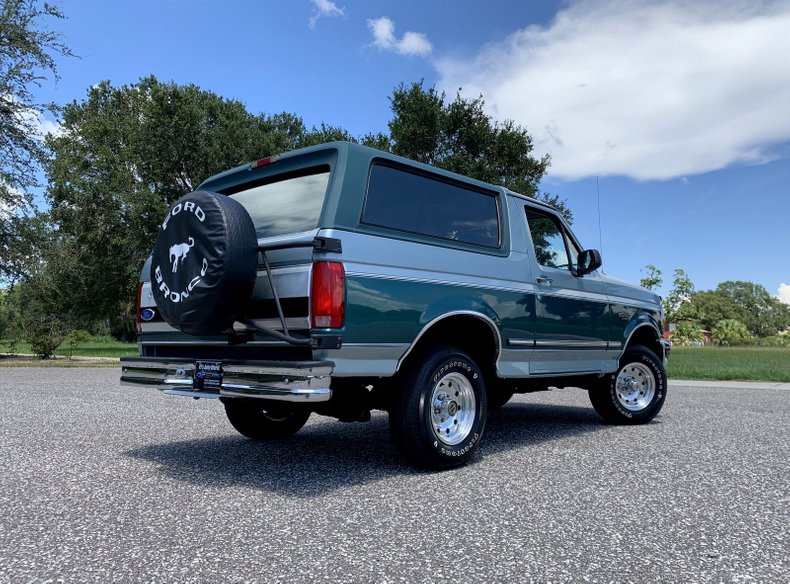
x=102 y=483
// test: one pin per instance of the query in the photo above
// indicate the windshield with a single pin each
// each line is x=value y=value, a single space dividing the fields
x=287 y=204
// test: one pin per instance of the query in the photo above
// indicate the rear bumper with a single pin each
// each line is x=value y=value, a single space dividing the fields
x=302 y=381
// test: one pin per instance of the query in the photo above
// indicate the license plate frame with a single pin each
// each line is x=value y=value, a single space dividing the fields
x=208 y=376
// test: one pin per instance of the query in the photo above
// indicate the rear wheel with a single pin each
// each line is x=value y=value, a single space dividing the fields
x=264 y=420
x=635 y=393
x=439 y=413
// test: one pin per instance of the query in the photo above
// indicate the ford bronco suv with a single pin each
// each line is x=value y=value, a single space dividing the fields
x=338 y=279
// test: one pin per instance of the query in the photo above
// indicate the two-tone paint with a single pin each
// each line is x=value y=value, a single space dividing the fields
x=541 y=322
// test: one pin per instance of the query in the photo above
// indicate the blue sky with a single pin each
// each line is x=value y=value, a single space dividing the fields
x=681 y=109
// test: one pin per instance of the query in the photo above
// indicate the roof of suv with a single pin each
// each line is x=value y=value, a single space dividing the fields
x=353 y=149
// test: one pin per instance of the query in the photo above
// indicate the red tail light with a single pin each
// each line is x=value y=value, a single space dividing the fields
x=328 y=295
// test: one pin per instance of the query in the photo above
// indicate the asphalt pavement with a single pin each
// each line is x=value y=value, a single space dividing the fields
x=103 y=483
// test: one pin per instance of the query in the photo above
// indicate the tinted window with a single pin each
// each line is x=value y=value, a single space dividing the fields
x=287 y=203
x=550 y=241
x=419 y=204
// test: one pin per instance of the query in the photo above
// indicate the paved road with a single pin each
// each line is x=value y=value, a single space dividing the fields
x=100 y=483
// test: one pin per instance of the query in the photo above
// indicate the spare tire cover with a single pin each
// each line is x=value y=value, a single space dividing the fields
x=204 y=262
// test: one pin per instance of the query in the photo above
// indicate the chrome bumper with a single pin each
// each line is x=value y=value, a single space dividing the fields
x=281 y=381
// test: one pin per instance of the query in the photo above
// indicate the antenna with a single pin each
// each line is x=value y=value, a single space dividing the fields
x=600 y=236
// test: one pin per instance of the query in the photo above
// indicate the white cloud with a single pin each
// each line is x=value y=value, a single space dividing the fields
x=643 y=88
x=41 y=126
x=46 y=126
x=412 y=44
x=784 y=293
x=32 y=120
x=324 y=9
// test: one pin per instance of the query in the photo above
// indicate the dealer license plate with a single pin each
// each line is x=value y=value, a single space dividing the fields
x=208 y=375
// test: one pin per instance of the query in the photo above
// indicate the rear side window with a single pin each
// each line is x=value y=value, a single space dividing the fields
x=417 y=203
x=286 y=203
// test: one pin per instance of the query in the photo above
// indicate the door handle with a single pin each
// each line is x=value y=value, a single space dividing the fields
x=543 y=280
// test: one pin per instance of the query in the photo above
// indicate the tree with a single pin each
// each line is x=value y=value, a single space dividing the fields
x=652 y=279
x=124 y=154
x=8 y=316
x=713 y=307
x=27 y=58
x=676 y=304
x=763 y=314
x=687 y=333
x=730 y=332
x=459 y=136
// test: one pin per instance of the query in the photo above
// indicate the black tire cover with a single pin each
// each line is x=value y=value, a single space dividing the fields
x=204 y=262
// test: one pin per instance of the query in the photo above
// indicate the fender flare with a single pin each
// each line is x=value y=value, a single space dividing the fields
x=452 y=314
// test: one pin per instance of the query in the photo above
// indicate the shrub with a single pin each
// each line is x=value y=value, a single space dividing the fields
x=74 y=338
x=45 y=334
x=731 y=332
x=688 y=333
x=11 y=345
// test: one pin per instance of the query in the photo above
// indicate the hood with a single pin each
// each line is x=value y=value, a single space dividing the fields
x=617 y=287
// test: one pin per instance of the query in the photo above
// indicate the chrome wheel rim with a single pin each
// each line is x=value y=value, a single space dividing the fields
x=452 y=409
x=635 y=386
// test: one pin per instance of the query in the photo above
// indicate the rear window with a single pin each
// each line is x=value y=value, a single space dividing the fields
x=286 y=203
x=417 y=203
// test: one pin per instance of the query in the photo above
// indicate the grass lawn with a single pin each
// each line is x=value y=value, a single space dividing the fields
x=725 y=363
x=730 y=363
x=92 y=348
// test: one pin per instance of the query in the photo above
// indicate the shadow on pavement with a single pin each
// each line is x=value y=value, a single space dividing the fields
x=328 y=455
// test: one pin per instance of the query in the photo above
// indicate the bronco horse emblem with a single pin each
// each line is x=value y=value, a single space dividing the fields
x=179 y=252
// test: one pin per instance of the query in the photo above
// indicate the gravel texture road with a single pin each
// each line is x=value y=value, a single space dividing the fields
x=103 y=483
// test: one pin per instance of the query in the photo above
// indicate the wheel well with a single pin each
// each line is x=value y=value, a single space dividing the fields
x=469 y=333
x=646 y=337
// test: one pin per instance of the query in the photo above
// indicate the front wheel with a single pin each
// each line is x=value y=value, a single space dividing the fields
x=439 y=413
x=263 y=420
x=635 y=393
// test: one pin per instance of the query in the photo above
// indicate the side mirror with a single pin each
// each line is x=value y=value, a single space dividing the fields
x=588 y=261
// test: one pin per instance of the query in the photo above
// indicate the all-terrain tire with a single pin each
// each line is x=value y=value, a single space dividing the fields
x=262 y=421
x=438 y=413
x=635 y=393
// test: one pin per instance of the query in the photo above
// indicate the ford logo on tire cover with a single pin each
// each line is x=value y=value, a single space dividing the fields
x=204 y=262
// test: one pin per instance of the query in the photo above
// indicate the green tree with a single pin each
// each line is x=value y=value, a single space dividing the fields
x=125 y=154
x=676 y=304
x=687 y=333
x=27 y=58
x=10 y=313
x=713 y=307
x=74 y=339
x=652 y=279
x=763 y=314
x=459 y=136
x=730 y=332
x=6 y=314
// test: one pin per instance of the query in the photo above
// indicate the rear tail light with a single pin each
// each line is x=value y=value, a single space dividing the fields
x=328 y=295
